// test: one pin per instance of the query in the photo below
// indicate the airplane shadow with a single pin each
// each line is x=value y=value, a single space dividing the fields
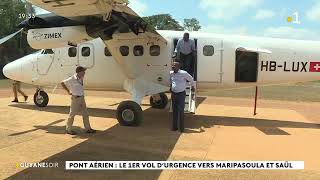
x=153 y=140
x=94 y=112
x=49 y=128
x=200 y=100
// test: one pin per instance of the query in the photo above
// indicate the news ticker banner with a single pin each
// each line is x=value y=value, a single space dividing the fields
x=183 y=165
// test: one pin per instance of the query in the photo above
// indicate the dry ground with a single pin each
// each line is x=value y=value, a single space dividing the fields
x=222 y=129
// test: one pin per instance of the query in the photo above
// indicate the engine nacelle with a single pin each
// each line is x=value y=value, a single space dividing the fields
x=48 y=38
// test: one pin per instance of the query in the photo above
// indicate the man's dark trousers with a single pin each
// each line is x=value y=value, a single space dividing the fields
x=187 y=60
x=178 y=103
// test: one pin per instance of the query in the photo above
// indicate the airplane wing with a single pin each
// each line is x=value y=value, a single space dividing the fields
x=75 y=8
x=103 y=18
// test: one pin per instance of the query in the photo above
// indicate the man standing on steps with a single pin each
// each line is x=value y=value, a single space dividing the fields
x=74 y=87
x=178 y=80
x=185 y=52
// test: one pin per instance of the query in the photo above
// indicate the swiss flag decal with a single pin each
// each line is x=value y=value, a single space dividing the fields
x=314 y=67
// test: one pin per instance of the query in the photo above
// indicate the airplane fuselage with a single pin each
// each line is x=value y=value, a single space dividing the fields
x=222 y=60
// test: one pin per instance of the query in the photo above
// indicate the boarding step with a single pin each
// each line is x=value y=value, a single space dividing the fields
x=190 y=101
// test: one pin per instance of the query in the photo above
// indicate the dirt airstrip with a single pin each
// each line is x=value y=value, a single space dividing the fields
x=221 y=129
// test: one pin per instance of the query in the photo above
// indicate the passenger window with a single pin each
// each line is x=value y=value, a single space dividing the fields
x=107 y=52
x=85 y=51
x=208 y=50
x=72 y=52
x=138 y=51
x=155 y=50
x=124 y=50
x=48 y=51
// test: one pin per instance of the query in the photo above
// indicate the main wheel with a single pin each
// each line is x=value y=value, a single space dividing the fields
x=159 y=103
x=129 y=113
x=41 y=99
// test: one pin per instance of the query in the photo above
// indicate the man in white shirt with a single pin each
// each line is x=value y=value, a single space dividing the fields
x=186 y=52
x=178 y=80
x=74 y=87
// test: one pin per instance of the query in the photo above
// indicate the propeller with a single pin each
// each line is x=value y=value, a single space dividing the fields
x=5 y=39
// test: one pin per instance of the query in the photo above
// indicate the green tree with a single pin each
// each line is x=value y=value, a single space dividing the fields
x=191 y=24
x=10 y=12
x=163 y=22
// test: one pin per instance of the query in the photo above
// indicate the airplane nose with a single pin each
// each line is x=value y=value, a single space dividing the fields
x=5 y=71
x=12 y=70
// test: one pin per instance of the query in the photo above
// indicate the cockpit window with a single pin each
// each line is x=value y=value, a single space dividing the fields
x=85 y=51
x=72 y=52
x=107 y=52
x=38 y=52
x=48 y=51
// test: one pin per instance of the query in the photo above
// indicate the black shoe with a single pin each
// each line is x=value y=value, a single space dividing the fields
x=91 y=131
x=25 y=98
x=173 y=129
x=15 y=101
x=71 y=132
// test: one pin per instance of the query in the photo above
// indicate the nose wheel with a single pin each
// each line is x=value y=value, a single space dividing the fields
x=129 y=113
x=41 y=98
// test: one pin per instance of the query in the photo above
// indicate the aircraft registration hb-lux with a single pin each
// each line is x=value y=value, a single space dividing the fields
x=121 y=51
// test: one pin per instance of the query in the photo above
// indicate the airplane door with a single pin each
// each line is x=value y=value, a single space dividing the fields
x=69 y=58
x=86 y=55
x=69 y=61
x=209 y=60
x=44 y=61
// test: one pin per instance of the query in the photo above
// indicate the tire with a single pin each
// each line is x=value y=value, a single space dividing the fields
x=129 y=113
x=41 y=99
x=161 y=104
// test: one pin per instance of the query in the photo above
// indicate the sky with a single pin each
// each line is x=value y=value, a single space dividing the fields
x=245 y=17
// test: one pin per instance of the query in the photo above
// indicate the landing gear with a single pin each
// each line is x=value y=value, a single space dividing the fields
x=159 y=101
x=41 y=98
x=129 y=113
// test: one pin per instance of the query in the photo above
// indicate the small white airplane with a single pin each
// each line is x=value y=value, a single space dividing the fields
x=122 y=52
